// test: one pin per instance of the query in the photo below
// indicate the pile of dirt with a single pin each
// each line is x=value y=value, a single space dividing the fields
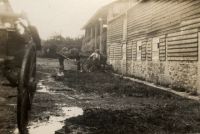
x=162 y=119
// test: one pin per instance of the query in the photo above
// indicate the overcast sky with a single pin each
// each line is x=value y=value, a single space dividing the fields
x=59 y=16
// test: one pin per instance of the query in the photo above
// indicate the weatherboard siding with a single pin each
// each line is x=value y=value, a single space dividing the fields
x=176 y=25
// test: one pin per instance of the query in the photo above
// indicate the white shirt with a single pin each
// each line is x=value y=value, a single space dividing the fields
x=95 y=56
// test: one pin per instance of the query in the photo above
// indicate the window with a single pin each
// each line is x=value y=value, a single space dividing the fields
x=139 y=50
x=155 y=49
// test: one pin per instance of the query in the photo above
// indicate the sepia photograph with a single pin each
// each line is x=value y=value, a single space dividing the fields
x=99 y=67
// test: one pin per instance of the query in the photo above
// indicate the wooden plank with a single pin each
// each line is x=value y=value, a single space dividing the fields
x=193 y=16
x=160 y=24
x=118 y=52
x=162 y=51
x=183 y=37
x=195 y=10
x=162 y=55
x=181 y=8
x=182 y=58
x=155 y=8
x=188 y=41
x=182 y=50
x=183 y=33
x=166 y=21
x=189 y=22
x=115 y=29
x=176 y=8
x=192 y=26
x=163 y=21
x=162 y=40
x=162 y=45
x=115 y=32
x=189 y=45
x=193 y=54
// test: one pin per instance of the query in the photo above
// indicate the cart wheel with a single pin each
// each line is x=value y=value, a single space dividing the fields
x=26 y=88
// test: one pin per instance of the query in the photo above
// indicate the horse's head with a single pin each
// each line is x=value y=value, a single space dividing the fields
x=73 y=53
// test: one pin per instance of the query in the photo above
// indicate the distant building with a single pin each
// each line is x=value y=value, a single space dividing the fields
x=96 y=27
x=158 y=41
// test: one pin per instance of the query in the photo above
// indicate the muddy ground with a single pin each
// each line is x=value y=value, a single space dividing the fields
x=102 y=103
x=111 y=104
x=7 y=106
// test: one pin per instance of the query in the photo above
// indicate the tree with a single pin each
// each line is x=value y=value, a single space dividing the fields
x=57 y=42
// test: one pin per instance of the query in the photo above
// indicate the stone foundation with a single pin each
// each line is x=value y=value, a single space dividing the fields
x=178 y=75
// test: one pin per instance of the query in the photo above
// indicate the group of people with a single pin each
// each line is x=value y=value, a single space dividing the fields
x=94 y=60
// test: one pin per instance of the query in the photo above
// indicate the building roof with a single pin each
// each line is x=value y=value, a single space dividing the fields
x=101 y=13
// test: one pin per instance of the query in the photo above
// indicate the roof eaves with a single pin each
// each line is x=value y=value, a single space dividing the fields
x=100 y=13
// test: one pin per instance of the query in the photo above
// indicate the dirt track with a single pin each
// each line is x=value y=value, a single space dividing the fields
x=112 y=104
x=104 y=104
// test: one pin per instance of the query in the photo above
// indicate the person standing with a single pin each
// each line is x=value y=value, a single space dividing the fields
x=61 y=58
x=95 y=58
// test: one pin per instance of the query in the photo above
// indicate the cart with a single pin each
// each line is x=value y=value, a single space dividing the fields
x=19 y=42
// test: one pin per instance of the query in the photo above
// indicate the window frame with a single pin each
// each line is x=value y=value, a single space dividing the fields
x=139 y=51
x=155 y=48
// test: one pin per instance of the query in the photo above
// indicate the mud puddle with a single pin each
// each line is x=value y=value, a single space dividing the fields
x=50 y=123
x=41 y=88
x=55 y=122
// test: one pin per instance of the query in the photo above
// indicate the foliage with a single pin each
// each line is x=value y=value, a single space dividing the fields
x=57 y=42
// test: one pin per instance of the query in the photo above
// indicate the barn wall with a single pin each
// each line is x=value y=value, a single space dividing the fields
x=162 y=42
x=114 y=42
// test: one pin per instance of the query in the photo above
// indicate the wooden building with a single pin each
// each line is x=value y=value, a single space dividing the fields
x=96 y=27
x=158 y=41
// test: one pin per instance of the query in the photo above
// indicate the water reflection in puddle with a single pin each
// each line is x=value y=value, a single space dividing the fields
x=42 y=88
x=54 y=123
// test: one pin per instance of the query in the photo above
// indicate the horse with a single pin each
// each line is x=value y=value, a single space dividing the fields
x=83 y=63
